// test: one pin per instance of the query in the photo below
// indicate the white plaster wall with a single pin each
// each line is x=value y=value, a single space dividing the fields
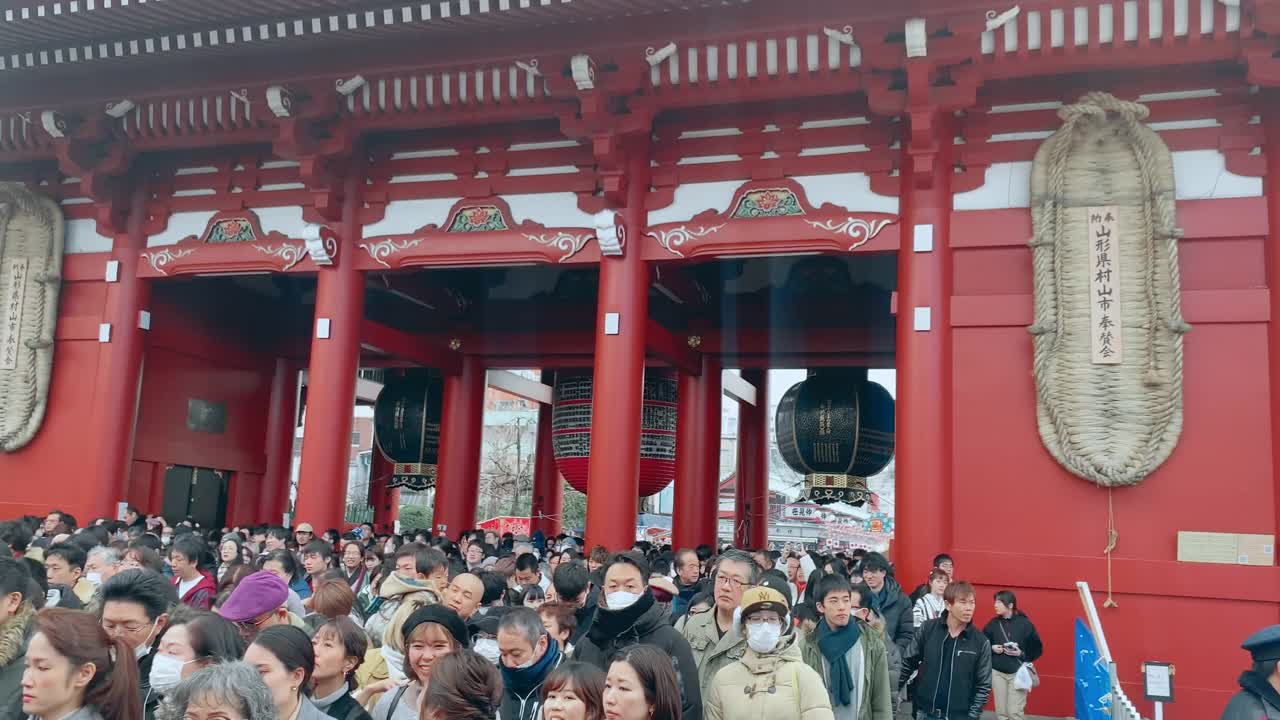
x=1198 y=175
x=692 y=198
x=557 y=209
x=81 y=236
x=405 y=216
x=181 y=224
x=285 y=220
x=849 y=190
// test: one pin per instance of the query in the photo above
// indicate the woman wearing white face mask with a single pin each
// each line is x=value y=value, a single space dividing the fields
x=193 y=640
x=771 y=680
x=630 y=616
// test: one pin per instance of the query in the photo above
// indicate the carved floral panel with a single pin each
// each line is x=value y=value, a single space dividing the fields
x=480 y=218
x=768 y=202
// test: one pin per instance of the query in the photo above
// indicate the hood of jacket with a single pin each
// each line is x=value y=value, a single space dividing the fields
x=13 y=634
x=395 y=586
x=788 y=650
x=1258 y=685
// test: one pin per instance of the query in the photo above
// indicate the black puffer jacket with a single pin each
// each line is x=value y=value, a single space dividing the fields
x=1016 y=629
x=1257 y=700
x=644 y=623
x=970 y=677
x=895 y=607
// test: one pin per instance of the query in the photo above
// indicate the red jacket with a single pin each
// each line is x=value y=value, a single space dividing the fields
x=201 y=596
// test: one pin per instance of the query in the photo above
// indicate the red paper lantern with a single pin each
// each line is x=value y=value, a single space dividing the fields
x=571 y=429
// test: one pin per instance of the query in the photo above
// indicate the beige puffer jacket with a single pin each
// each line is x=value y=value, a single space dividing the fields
x=774 y=686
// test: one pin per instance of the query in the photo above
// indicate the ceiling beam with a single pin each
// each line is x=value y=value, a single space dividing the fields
x=670 y=347
x=736 y=388
x=417 y=349
x=522 y=387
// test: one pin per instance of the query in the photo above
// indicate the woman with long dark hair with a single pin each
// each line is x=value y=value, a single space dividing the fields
x=573 y=691
x=284 y=657
x=75 y=671
x=464 y=686
x=1014 y=641
x=642 y=685
x=229 y=554
x=339 y=645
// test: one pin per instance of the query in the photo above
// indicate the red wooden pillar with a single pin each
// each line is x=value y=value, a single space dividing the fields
x=711 y=407
x=548 y=486
x=923 y=451
x=384 y=500
x=613 y=470
x=282 y=416
x=751 y=514
x=689 y=441
x=461 y=427
x=1271 y=185
x=335 y=360
x=120 y=360
x=697 y=498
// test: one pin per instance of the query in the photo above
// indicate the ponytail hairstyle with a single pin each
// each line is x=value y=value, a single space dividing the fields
x=78 y=636
x=1009 y=600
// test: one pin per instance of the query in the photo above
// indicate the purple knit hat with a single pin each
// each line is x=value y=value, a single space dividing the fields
x=256 y=595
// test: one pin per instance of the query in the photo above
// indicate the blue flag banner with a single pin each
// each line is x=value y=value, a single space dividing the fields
x=1093 y=680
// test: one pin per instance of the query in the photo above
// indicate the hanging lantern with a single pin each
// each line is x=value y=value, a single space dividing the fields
x=406 y=422
x=836 y=428
x=571 y=434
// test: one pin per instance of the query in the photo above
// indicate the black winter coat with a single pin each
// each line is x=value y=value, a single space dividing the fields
x=1016 y=629
x=1257 y=700
x=895 y=607
x=346 y=708
x=644 y=623
x=970 y=677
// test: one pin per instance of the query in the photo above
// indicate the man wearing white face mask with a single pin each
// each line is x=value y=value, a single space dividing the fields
x=528 y=655
x=135 y=608
x=770 y=681
x=630 y=616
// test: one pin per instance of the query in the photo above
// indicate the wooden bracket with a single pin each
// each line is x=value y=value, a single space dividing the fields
x=315 y=135
x=87 y=149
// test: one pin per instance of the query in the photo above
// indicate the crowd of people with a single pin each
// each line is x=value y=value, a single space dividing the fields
x=120 y=620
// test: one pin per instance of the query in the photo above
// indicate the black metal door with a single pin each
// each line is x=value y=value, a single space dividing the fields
x=177 y=493
x=208 y=498
x=195 y=494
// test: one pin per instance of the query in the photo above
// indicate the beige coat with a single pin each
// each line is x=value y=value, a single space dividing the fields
x=775 y=686
x=710 y=651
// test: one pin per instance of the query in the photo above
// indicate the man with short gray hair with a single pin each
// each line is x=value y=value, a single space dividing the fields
x=527 y=654
x=710 y=634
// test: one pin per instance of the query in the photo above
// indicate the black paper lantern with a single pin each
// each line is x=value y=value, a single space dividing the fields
x=836 y=428
x=406 y=422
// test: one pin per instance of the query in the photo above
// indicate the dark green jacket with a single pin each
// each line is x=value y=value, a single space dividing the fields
x=877 y=694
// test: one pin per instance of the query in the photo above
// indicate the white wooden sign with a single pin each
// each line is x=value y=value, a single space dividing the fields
x=1105 y=326
x=11 y=329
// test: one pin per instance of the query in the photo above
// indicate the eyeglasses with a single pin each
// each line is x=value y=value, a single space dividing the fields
x=249 y=626
x=114 y=628
x=732 y=583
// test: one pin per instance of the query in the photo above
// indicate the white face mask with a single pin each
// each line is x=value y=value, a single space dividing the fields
x=145 y=647
x=95 y=579
x=620 y=600
x=487 y=648
x=166 y=672
x=763 y=637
